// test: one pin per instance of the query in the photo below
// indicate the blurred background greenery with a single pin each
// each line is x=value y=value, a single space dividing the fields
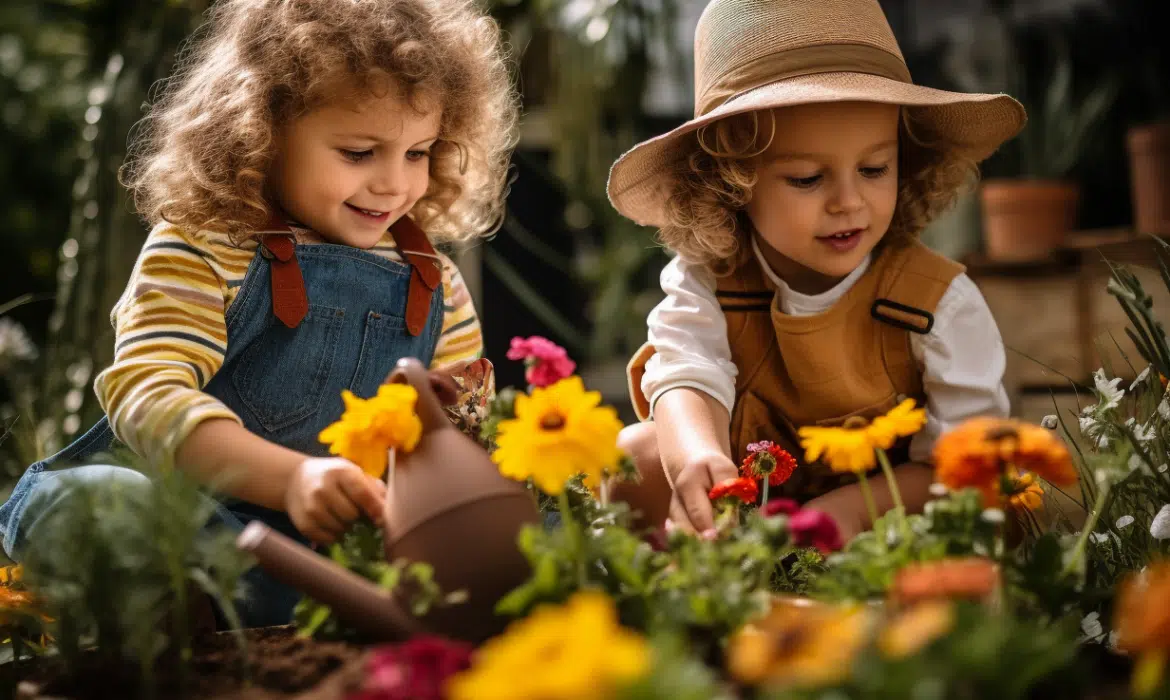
x=596 y=75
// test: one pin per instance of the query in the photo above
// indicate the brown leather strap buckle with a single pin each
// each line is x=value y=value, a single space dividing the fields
x=426 y=271
x=290 y=300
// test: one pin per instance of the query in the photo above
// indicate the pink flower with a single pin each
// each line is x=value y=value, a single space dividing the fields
x=547 y=362
x=814 y=528
x=780 y=506
x=414 y=670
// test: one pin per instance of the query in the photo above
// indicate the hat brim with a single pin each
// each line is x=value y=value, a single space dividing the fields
x=972 y=123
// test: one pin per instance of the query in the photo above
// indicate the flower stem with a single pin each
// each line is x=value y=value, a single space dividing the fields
x=576 y=537
x=863 y=482
x=1078 y=552
x=892 y=482
x=764 y=500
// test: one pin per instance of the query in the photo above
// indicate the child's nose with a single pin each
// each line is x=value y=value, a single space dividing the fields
x=390 y=180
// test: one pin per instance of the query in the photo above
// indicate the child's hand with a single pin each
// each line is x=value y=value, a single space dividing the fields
x=326 y=494
x=690 y=506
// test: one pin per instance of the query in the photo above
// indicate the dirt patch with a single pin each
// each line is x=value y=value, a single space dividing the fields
x=281 y=665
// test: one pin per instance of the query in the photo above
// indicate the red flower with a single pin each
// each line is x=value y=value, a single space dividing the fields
x=813 y=528
x=780 y=506
x=767 y=459
x=743 y=488
x=414 y=670
x=547 y=362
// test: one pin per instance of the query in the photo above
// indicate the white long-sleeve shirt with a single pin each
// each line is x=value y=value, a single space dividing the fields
x=962 y=358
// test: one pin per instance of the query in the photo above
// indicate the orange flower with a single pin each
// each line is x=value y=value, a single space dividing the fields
x=1025 y=493
x=744 y=488
x=970 y=578
x=799 y=646
x=980 y=450
x=1142 y=620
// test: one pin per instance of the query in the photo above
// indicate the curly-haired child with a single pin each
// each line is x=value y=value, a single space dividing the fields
x=296 y=171
x=799 y=295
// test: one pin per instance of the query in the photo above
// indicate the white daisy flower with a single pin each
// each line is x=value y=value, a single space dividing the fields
x=1108 y=390
x=1160 y=526
x=1140 y=378
x=1124 y=522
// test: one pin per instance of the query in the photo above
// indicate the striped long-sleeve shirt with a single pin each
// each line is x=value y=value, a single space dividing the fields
x=171 y=335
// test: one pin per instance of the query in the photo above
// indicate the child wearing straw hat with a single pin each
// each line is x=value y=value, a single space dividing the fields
x=799 y=294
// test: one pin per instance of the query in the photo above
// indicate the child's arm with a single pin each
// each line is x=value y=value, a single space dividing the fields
x=689 y=385
x=847 y=505
x=694 y=443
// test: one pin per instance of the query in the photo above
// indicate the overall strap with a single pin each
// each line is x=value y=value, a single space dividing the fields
x=426 y=271
x=290 y=300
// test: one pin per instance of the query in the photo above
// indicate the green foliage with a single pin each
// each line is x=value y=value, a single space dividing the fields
x=117 y=566
x=675 y=674
x=705 y=587
x=953 y=526
x=361 y=551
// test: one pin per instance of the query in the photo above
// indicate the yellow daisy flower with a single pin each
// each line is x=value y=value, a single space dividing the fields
x=559 y=431
x=843 y=449
x=369 y=428
x=902 y=421
x=799 y=646
x=913 y=630
x=576 y=651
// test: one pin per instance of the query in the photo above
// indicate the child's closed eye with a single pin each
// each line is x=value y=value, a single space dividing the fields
x=417 y=155
x=356 y=156
x=803 y=182
x=875 y=172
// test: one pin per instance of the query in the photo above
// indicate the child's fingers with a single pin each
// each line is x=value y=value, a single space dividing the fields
x=679 y=520
x=340 y=505
x=364 y=495
x=323 y=518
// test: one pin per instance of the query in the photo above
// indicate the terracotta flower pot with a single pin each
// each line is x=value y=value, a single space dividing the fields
x=1027 y=219
x=448 y=505
x=1149 y=167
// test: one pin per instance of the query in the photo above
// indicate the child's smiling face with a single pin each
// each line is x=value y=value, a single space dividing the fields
x=826 y=189
x=350 y=170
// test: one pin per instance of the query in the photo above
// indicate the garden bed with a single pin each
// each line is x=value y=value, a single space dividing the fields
x=281 y=665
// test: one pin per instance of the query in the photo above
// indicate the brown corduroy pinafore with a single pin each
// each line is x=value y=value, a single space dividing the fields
x=852 y=360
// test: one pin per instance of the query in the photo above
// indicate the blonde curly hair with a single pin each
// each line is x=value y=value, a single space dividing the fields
x=706 y=222
x=203 y=152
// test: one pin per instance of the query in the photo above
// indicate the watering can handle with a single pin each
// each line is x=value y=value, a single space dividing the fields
x=410 y=371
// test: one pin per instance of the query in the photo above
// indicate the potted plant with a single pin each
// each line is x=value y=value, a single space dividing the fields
x=1148 y=146
x=1028 y=215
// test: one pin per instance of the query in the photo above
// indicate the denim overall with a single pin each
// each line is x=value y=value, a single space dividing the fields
x=284 y=383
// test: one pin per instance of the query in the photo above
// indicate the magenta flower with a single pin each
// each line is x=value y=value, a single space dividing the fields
x=547 y=363
x=414 y=670
x=814 y=528
x=780 y=506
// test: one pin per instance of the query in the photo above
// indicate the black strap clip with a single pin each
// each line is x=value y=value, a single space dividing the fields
x=877 y=312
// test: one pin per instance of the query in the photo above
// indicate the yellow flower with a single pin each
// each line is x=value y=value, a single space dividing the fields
x=369 y=428
x=1026 y=493
x=916 y=628
x=902 y=421
x=576 y=651
x=850 y=448
x=801 y=646
x=559 y=431
x=843 y=449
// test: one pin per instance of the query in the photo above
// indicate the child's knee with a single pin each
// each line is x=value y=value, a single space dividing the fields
x=640 y=442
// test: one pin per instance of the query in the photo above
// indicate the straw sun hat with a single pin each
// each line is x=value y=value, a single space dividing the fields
x=761 y=54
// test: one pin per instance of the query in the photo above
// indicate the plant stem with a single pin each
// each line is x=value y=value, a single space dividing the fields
x=764 y=501
x=576 y=537
x=1078 y=552
x=892 y=482
x=863 y=483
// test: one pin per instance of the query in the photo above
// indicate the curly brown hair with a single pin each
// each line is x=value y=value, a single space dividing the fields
x=203 y=152
x=705 y=211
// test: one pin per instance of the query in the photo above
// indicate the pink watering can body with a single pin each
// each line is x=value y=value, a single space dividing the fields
x=448 y=505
